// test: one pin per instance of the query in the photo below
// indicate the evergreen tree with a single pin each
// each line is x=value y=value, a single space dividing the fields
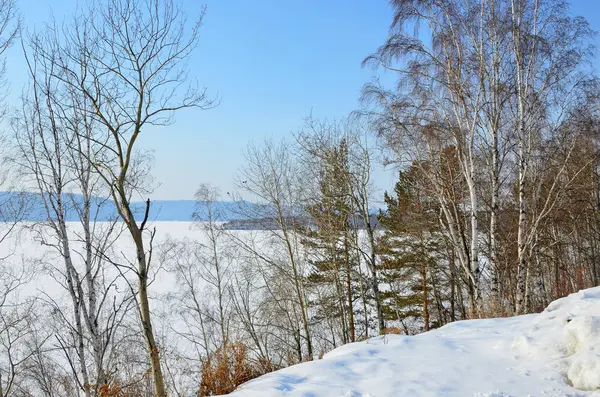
x=409 y=252
x=334 y=261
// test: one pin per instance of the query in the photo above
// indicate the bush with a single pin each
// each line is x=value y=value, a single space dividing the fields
x=391 y=331
x=226 y=369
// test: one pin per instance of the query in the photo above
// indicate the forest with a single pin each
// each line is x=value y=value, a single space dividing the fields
x=491 y=128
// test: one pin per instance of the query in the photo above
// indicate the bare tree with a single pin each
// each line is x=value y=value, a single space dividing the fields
x=203 y=269
x=217 y=261
x=272 y=178
x=126 y=59
x=247 y=299
x=17 y=313
x=548 y=53
x=10 y=28
x=54 y=140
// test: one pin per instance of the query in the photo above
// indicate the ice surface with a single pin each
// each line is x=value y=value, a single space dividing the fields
x=555 y=353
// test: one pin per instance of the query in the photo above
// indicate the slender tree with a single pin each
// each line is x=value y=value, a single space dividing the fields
x=126 y=58
x=271 y=177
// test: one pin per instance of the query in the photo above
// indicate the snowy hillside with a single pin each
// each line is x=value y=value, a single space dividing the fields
x=554 y=353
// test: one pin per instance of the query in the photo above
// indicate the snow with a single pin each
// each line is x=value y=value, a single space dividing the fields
x=555 y=353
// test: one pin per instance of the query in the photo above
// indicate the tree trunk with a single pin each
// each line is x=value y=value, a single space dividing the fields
x=374 y=277
x=521 y=264
x=145 y=317
x=452 y=286
x=493 y=221
x=349 y=290
x=297 y=282
x=475 y=298
x=425 y=296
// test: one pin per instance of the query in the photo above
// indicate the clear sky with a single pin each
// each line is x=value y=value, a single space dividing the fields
x=272 y=63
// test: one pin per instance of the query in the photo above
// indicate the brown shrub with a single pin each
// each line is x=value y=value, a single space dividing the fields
x=265 y=366
x=111 y=391
x=116 y=389
x=391 y=331
x=226 y=369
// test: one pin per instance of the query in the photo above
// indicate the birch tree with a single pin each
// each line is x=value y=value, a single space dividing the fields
x=127 y=59
x=218 y=257
x=441 y=105
x=17 y=312
x=17 y=316
x=271 y=177
x=549 y=51
x=54 y=140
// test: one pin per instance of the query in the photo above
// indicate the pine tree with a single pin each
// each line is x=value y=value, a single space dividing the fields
x=408 y=249
x=330 y=238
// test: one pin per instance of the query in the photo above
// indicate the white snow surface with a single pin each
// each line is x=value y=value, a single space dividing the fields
x=554 y=353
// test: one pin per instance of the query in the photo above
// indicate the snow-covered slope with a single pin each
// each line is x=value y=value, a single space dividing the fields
x=554 y=353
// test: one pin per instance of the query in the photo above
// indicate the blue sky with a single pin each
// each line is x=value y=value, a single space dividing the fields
x=272 y=63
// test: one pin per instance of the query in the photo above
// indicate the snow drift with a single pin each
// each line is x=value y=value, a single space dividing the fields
x=554 y=353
